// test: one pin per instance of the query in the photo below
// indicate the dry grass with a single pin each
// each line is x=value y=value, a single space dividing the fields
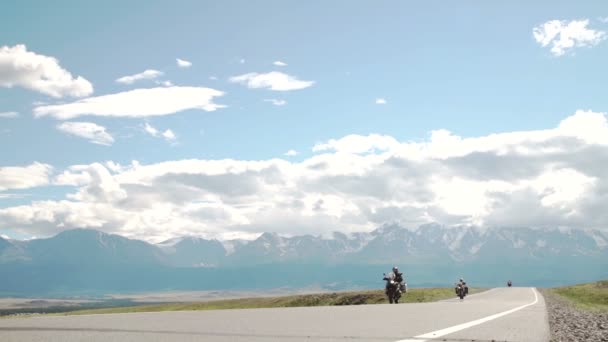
x=322 y=299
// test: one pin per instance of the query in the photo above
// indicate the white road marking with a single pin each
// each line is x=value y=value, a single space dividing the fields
x=446 y=331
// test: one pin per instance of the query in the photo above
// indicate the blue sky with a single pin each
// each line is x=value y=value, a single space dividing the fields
x=471 y=68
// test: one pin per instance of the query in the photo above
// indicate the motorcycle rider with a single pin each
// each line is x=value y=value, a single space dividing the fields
x=399 y=283
x=398 y=275
x=462 y=284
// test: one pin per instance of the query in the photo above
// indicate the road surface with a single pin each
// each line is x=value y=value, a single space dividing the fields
x=502 y=314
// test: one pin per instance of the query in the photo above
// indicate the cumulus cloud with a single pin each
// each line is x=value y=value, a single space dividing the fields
x=9 y=115
x=276 y=102
x=279 y=63
x=543 y=178
x=380 y=101
x=136 y=103
x=291 y=153
x=24 y=177
x=167 y=134
x=92 y=132
x=22 y=68
x=149 y=74
x=273 y=80
x=183 y=63
x=564 y=35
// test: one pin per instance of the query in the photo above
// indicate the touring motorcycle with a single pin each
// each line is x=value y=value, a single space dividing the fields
x=461 y=290
x=393 y=288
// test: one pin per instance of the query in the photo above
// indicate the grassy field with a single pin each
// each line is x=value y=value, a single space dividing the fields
x=591 y=296
x=322 y=299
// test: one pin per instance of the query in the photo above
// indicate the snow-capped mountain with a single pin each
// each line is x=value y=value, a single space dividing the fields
x=89 y=259
x=386 y=244
x=193 y=252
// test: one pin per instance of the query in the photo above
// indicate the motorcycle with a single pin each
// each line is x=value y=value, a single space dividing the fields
x=461 y=290
x=393 y=288
x=509 y=283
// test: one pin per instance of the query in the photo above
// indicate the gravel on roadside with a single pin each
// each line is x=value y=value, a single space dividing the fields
x=571 y=324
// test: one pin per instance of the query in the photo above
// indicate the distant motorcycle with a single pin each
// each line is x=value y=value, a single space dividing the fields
x=509 y=283
x=461 y=290
x=393 y=288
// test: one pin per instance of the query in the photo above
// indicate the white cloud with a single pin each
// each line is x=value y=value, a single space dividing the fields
x=563 y=35
x=22 y=68
x=276 y=102
x=149 y=74
x=242 y=61
x=291 y=153
x=273 y=80
x=165 y=83
x=213 y=78
x=380 y=101
x=150 y=130
x=604 y=19
x=136 y=103
x=183 y=63
x=552 y=177
x=18 y=177
x=279 y=63
x=94 y=133
x=359 y=144
x=9 y=115
x=167 y=134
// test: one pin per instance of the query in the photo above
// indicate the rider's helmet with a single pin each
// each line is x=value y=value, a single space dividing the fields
x=461 y=280
x=395 y=269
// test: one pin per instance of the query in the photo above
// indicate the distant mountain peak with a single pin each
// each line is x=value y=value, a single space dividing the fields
x=181 y=239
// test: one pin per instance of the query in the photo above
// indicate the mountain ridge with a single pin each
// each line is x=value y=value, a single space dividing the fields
x=90 y=260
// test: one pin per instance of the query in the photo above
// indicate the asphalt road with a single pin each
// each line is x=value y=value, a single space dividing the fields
x=502 y=314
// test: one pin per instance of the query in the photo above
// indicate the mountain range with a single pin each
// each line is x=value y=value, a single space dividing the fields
x=90 y=261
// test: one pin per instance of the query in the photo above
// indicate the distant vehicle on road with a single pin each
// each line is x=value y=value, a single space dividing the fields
x=509 y=283
x=461 y=288
x=394 y=287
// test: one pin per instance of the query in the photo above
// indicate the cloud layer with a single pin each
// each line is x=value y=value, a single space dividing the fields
x=565 y=35
x=136 y=103
x=22 y=68
x=546 y=178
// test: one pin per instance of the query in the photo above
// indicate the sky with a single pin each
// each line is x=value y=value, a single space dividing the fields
x=157 y=119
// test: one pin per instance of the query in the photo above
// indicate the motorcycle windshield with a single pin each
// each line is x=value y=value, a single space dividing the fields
x=390 y=276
